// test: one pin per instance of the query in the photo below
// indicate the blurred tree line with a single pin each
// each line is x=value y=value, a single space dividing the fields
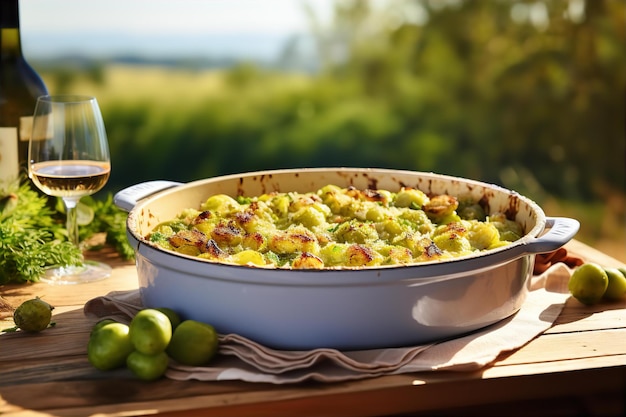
x=483 y=89
x=527 y=94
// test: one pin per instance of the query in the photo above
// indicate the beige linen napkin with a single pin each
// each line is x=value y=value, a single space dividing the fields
x=242 y=359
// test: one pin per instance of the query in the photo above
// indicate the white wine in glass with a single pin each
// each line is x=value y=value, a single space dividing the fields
x=69 y=158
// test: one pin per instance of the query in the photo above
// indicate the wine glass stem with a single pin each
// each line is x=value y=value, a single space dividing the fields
x=71 y=224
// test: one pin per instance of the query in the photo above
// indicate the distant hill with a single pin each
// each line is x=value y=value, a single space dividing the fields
x=78 y=51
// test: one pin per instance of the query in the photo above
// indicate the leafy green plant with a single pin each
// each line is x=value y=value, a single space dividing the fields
x=33 y=236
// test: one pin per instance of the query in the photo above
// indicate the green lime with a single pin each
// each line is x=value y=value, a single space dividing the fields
x=193 y=343
x=84 y=214
x=616 y=288
x=109 y=346
x=147 y=367
x=33 y=315
x=172 y=315
x=150 y=331
x=100 y=325
x=588 y=283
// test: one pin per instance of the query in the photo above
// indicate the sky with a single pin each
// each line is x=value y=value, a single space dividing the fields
x=51 y=28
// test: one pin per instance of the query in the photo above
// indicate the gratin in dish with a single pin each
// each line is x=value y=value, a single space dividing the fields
x=335 y=227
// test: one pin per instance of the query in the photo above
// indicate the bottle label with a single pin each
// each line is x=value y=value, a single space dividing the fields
x=9 y=165
x=26 y=128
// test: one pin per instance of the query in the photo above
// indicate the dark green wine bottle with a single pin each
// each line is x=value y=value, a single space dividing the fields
x=20 y=86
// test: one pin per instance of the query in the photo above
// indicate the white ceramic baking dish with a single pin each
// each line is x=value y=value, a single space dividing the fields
x=349 y=308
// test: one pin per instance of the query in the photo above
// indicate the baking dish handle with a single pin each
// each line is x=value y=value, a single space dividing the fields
x=129 y=197
x=561 y=230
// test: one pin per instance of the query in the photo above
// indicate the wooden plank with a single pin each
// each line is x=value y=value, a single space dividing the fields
x=577 y=317
x=122 y=279
x=125 y=382
x=77 y=398
x=313 y=399
x=68 y=337
x=325 y=400
x=505 y=369
x=562 y=346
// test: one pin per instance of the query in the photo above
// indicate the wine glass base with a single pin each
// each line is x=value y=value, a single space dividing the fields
x=90 y=271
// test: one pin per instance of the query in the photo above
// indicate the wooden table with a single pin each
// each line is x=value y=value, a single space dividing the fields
x=578 y=367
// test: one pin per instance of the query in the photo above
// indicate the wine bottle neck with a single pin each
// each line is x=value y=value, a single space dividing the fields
x=9 y=14
x=10 y=44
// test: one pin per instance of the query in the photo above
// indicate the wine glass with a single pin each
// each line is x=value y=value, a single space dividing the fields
x=69 y=158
